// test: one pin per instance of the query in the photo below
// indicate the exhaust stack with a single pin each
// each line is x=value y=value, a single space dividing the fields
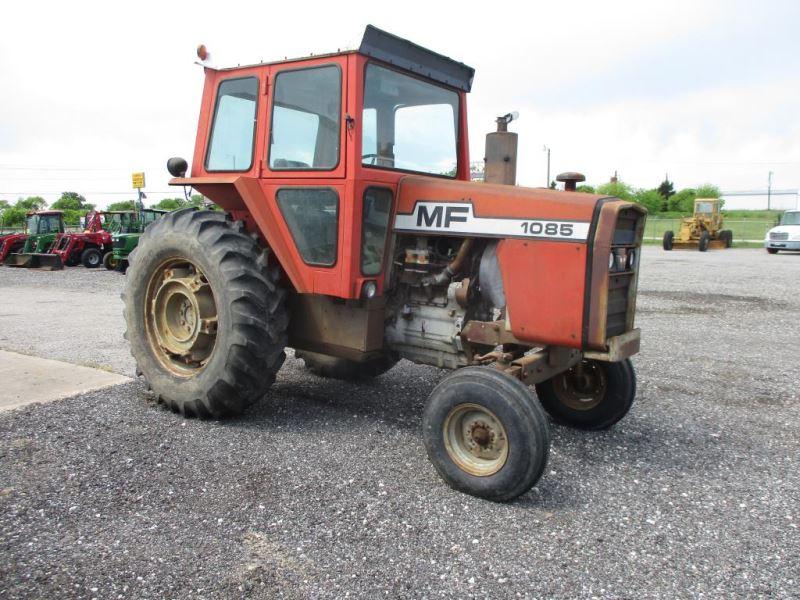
x=501 y=153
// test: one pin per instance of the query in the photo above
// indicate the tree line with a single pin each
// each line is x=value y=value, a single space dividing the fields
x=663 y=199
x=74 y=206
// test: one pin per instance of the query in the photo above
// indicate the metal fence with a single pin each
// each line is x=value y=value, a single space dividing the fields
x=744 y=231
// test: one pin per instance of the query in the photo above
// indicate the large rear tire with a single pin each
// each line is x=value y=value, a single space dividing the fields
x=595 y=396
x=772 y=250
x=205 y=314
x=485 y=434
x=726 y=235
x=342 y=368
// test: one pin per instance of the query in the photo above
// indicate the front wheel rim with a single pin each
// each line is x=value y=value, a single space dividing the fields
x=582 y=387
x=181 y=317
x=475 y=439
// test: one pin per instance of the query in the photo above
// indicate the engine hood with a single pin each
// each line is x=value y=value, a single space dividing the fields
x=429 y=205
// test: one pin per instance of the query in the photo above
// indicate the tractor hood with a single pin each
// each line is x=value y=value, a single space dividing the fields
x=433 y=205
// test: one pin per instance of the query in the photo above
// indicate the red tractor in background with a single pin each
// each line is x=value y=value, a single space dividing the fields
x=90 y=246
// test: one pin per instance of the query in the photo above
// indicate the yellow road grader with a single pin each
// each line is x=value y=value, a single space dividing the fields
x=703 y=230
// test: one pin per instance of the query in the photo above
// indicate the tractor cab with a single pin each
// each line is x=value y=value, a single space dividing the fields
x=707 y=214
x=45 y=222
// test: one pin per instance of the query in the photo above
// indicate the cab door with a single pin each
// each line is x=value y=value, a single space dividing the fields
x=304 y=168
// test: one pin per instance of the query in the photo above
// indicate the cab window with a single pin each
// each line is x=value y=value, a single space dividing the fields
x=312 y=215
x=230 y=147
x=375 y=225
x=408 y=124
x=305 y=119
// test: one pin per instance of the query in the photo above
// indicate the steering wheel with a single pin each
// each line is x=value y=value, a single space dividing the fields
x=374 y=158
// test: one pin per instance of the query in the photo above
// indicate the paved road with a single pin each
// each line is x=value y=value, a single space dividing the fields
x=324 y=489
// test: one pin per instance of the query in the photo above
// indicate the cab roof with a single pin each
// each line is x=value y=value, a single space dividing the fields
x=401 y=53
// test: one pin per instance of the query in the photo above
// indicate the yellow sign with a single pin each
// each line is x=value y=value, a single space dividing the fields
x=138 y=180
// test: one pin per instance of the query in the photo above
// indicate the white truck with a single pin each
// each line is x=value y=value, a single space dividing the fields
x=785 y=236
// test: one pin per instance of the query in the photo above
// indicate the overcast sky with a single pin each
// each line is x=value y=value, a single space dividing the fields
x=706 y=91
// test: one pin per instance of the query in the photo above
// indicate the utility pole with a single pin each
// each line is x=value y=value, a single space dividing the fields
x=546 y=149
x=769 y=191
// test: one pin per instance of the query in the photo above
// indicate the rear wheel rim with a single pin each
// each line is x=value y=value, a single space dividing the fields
x=475 y=439
x=581 y=388
x=181 y=317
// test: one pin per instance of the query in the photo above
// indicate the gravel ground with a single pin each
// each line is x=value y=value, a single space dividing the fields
x=324 y=490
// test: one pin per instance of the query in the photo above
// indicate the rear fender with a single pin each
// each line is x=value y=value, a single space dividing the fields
x=245 y=200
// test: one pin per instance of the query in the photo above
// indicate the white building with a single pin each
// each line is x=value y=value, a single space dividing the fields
x=759 y=199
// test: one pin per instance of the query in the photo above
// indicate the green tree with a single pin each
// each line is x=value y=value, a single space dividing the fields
x=586 y=189
x=72 y=201
x=31 y=203
x=683 y=201
x=708 y=190
x=12 y=216
x=170 y=204
x=123 y=205
x=666 y=190
x=616 y=188
x=652 y=200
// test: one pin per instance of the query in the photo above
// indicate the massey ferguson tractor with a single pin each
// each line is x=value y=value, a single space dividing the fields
x=351 y=233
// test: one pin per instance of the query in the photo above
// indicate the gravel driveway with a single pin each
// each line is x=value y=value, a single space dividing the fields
x=324 y=489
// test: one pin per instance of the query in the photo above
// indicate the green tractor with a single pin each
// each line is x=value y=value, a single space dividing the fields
x=43 y=228
x=125 y=239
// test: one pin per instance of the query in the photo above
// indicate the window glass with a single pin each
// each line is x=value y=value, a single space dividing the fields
x=704 y=207
x=305 y=119
x=375 y=225
x=408 y=123
x=231 y=145
x=312 y=215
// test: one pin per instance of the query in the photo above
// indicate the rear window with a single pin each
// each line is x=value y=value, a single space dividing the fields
x=230 y=147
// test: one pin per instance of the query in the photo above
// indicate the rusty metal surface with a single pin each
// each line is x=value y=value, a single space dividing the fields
x=620 y=347
x=542 y=365
x=489 y=333
x=570 y=180
x=501 y=158
x=332 y=326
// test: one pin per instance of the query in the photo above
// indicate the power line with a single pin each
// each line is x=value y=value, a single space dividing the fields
x=132 y=192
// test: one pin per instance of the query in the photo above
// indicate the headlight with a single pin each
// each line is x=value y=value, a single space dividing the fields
x=630 y=262
x=369 y=289
x=612 y=261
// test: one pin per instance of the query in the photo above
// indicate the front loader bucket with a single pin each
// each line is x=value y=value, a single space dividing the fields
x=46 y=262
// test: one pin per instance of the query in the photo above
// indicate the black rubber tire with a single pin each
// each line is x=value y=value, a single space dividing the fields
x=669 y=236
x=772 y=250
x=617 y=401
x=726 y=235
x=122 y=267
x=91 y=258
x=251 y=311
x=705 y=238
x=108 y=261
x=524 y=420
x=345 y=369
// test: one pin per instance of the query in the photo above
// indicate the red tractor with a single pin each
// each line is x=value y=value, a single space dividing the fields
x=351 y=233
x=41 y=229
x=90 y=246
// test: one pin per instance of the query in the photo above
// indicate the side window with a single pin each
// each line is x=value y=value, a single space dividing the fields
x=312 y=215
x=230 y=147
x=375 y=225
x=305 y=119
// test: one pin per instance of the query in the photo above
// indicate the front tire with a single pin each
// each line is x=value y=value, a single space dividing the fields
x=772 y=250
x=595 y=396
x=109 y=262
x=206 y=316
x=669 y=236
x=726 y=235
x=485 y=434
x=705 y=238
x=91 y=258
x=342 y=368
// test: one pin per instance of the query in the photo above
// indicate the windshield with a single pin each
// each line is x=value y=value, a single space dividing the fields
x=790 y=218
x=408 y=124
x=704 y=207
x=33 y=223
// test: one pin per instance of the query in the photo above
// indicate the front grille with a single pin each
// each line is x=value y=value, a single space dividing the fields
x=779 y=235
x=623 y=266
